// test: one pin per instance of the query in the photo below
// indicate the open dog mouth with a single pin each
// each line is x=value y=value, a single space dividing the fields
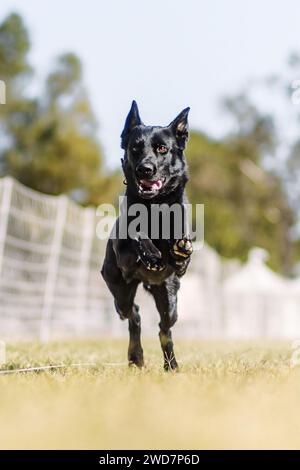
x=149 y=187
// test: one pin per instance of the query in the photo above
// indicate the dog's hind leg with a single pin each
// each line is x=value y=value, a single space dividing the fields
x=135 y=350
x=165 y=296
x=124 y=294
x=127 y=309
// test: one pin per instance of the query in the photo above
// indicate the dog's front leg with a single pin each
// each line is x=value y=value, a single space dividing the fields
x=181 y=251
x=148 y=253
x=133 y=252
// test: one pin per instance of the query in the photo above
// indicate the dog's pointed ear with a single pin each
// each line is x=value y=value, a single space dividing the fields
x=180 y=127
x=133 y=119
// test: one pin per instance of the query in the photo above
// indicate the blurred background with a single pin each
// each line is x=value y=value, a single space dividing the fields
x=71 y=71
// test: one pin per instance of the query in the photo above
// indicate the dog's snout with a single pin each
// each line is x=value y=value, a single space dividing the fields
x=146 y=169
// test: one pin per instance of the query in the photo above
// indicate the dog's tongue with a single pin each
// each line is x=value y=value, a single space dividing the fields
x=152 y=184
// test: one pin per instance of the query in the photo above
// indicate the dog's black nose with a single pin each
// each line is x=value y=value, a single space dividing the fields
x=145 y=170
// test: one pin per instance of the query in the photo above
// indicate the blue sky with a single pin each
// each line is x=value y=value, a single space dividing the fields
x=166 y=54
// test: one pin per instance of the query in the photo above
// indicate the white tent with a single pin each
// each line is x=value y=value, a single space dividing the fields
x=259 y=302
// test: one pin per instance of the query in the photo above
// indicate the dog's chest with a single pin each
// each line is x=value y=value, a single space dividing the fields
x=152 y=277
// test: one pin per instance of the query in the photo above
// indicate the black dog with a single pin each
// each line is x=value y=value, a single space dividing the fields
x=156 y=174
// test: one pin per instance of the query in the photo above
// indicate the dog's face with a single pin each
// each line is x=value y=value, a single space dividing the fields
x=154 y=162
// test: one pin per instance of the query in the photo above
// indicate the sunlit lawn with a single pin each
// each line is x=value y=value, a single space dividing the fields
x=232 y=395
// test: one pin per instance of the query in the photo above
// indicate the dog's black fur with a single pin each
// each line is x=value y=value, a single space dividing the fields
x=156 y=173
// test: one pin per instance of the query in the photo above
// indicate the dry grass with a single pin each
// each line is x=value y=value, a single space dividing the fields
x=225 y=396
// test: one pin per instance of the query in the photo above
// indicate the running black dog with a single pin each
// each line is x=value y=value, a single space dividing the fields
x=156 y=174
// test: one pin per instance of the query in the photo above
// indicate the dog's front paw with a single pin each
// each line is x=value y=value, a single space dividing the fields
x=182 y=249
x=152 y=262
x=149 y=255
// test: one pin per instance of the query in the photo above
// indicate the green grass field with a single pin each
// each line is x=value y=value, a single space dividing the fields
x=226 y=396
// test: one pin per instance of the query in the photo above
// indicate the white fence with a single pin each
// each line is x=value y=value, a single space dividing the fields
x=49 y=266
x=50 y=282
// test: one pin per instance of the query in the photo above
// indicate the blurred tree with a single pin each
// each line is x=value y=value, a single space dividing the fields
x=244 y=204
x=51 y=142
x=285 y=91
x=15 y=71
x=14 y=47
x=255 y=138
x=253 y=131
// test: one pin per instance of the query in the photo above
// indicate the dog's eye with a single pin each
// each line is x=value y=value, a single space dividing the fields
x=162 y=149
